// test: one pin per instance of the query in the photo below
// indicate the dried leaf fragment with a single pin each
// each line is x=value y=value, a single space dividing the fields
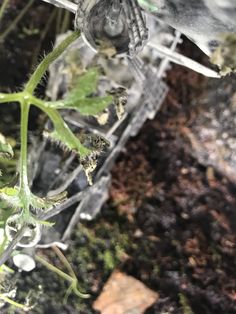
x=123 y=294
x=5 y=148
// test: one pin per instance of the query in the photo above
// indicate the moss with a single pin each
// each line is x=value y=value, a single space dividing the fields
x=109 y=260
x=185 y=304
x=96 y=250
x=101 y=244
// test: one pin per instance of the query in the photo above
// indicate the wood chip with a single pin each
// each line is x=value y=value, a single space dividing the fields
x=124 y=294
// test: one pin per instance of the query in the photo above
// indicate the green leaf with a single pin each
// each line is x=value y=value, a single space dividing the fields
x=11 y=196
x=86 y=106
x=46 y=223
x=9 y=191
x=80 y=97
x=86 y=84
x=6 y=150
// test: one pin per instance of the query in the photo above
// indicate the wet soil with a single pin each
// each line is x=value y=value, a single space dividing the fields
x=186 y=227
x=170 y=220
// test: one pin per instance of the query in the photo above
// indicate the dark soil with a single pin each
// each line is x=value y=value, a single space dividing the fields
x=169 y=222
x=187 y=239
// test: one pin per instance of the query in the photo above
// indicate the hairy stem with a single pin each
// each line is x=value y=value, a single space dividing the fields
x=24 y=185
x=12 y=302
x=72 y=280
x=61 y=127
x=42 y=37
x=64 y=261
x=54 y=269
x=3 y=7
x=14 y=97
x=43 y=66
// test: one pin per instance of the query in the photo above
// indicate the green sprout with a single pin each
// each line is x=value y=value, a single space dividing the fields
x=80 y=98
x=70 y=277
x=7 y=296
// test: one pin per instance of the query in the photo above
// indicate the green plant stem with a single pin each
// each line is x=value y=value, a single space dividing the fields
x=54 y=269
x=63 y=132
x=59 y=124
x=7 y=269
x=24 y=185
x=12 y=302
x=16 y=21
x=51 y=57
x=13 y=97
x=3 y=245
x=25 y=98
x=73 y=281
x=64 y=261
x=3 y=7
x=8 y=162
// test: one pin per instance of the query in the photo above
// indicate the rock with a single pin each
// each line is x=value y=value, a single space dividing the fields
x=212 y=134
x=24 y=262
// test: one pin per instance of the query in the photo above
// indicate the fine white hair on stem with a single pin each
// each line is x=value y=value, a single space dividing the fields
x=64 y=4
